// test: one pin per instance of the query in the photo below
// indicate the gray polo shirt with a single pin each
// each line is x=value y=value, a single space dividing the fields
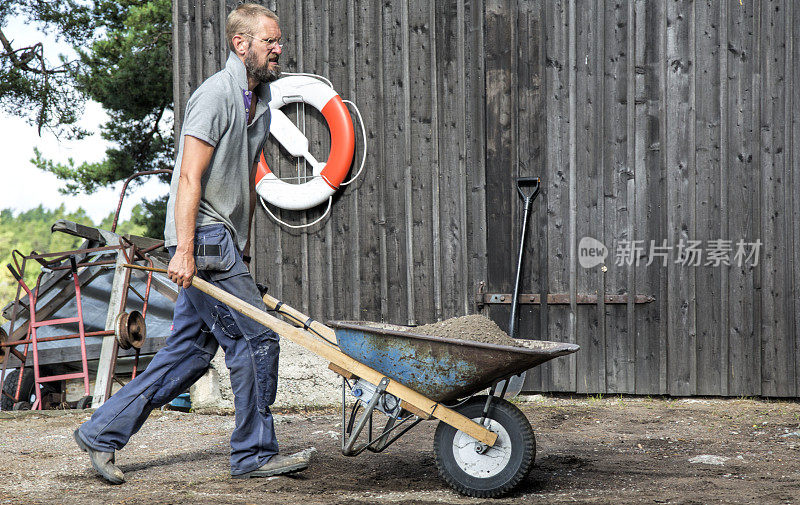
x=216 y=113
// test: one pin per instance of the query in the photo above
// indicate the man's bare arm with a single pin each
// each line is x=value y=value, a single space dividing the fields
x=196 y=158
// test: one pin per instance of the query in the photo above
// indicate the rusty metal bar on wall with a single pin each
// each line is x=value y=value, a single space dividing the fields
x=556 y=299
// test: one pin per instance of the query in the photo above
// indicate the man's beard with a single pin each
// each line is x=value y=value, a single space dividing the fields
x=260 y=73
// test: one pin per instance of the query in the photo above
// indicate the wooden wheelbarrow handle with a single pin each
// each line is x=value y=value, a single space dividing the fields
x=331 y=353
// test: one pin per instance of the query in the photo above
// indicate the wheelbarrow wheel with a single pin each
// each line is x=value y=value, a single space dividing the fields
x=468 y=468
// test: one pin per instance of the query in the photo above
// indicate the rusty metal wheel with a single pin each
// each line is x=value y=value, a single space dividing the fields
x=136 y=329
x=129 y=329
x=121 y=330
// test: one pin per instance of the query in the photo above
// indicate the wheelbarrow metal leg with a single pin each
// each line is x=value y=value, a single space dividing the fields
x=347 y=447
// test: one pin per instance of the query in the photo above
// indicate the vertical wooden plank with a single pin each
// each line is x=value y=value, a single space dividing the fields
x=177 y=63
x=571 y=378
x=345 y=233
x=650 y=223
x=620 y=352
x=499 y=116
x=777 y=341
x=186 y=82
x=707 y=131
x=595 y=198
x=590 y=27
x=724 y=322
x=407 y=181
x=200 y=40
x=435 y=224
x=450 y=77
x=682 y=358
x=744 y=352
x=530 y=99
x=662 y=117
x=381 y=133
x=473 y=168
x=560 y=21
x=471 y=78
x=307 y=127
x=423 y=160
x=756 y=84
x=394 y=169
x=564 y=373
x=793 y=165
x=328 y=288
x=211 y=51
x=222 y=9
x=368 y=91
x=355 y=238
x=630 y=185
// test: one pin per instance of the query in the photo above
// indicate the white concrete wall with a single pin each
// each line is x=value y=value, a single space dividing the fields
x=303 y=381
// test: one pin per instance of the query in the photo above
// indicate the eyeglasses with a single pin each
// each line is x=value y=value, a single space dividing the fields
x=270 y=42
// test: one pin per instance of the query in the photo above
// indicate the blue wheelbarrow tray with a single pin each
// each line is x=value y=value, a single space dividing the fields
x=443 y=369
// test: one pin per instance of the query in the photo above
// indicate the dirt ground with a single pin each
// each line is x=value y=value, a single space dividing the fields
x=590 y=450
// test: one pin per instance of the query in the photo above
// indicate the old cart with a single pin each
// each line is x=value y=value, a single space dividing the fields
x=484 y=445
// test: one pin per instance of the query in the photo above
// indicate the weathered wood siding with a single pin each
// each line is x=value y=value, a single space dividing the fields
x=659 y=121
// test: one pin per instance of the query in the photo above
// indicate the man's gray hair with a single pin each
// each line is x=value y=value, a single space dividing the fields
x=245 y=19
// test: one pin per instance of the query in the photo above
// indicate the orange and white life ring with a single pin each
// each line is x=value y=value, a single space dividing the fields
x=327 y=176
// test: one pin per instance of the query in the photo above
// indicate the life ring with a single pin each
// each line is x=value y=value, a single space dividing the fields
x=327 y=176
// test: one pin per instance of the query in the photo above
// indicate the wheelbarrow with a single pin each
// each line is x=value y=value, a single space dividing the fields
x=484 y=445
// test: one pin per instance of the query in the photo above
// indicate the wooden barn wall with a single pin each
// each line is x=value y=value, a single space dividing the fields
x=664 y=121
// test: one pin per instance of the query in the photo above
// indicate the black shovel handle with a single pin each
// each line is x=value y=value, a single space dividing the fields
x=528 y=187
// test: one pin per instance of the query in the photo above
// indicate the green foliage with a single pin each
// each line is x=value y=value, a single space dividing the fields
x=129 y=71
x=151 y=217
x=29 y=231
x=124 y=63
x=32 y=86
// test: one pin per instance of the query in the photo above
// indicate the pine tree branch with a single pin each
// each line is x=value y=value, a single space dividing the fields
x=28 y=54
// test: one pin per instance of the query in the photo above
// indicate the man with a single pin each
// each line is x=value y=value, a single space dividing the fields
x=209 y=212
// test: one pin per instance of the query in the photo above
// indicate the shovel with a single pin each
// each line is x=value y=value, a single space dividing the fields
x=528 y=188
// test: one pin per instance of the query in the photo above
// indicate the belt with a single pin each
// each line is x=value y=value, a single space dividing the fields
x=208 y=250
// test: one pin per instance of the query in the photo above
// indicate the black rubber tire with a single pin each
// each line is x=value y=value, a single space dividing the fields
x=22 y=406
x=84 y=403
x=10 y=387
x=523 y=450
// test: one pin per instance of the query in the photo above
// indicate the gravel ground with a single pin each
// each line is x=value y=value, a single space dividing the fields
x=590 y=450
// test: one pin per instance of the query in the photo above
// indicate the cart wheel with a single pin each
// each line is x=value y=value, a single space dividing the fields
x=84 y=403
x=469 y=468
x=10 y=387
x=22 y=406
